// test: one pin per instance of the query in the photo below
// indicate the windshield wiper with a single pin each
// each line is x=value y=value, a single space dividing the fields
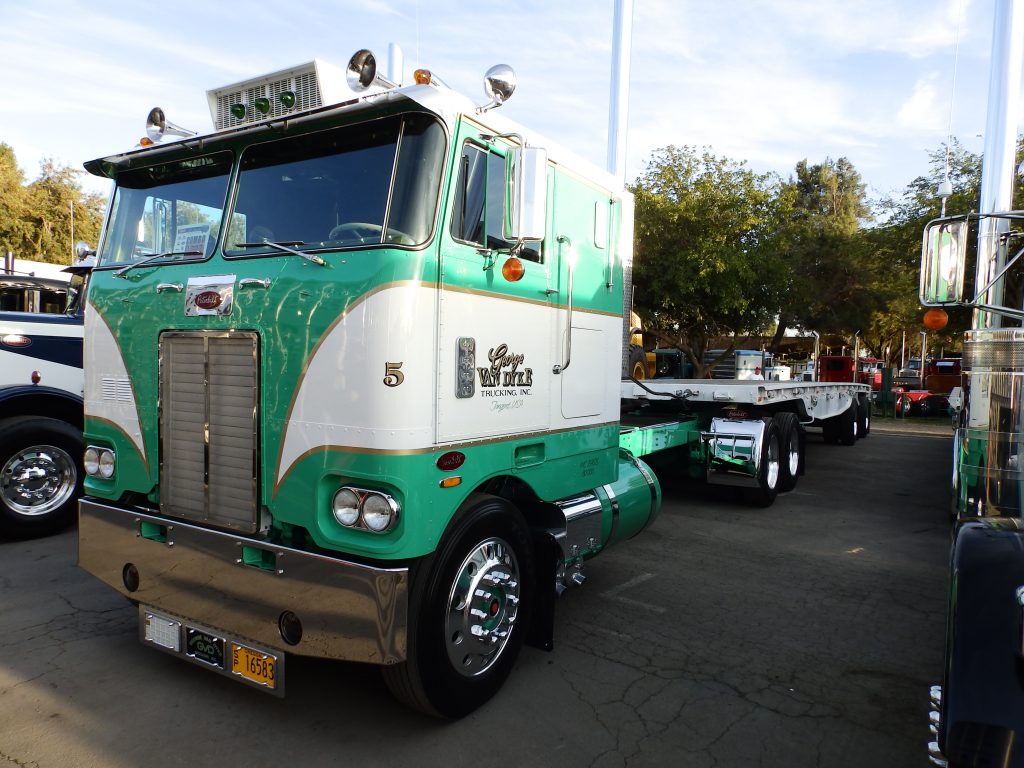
x=283 y=246
x=153 y=257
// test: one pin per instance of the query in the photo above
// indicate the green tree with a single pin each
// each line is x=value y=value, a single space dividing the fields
x=705 y=266
x=14 y=226
x=827 y=265
x=896 y=248
x=55 y=201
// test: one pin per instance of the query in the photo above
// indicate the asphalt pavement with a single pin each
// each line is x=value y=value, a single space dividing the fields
x=805 y=634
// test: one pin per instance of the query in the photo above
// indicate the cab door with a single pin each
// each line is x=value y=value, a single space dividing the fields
x=497 y=335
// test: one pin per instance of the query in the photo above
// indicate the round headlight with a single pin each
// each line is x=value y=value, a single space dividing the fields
x=91 y=461
x=106 y=464
x=346 y=507
x=378 y=514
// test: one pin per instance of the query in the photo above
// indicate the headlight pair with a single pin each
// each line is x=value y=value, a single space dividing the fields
x=99 y=462
x=370 y=510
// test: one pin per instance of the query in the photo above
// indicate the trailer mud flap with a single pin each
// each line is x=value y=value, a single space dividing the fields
x=733 y=451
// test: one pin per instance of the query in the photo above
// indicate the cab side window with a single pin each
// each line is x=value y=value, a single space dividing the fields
x=479 y=202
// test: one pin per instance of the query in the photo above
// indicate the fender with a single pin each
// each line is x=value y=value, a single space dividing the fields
x=37 y=400
x=983 y=695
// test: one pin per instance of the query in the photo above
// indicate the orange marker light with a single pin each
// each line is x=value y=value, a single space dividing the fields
x=935 y=319
x=451 y=482
x=513 y=270
x=422 y=76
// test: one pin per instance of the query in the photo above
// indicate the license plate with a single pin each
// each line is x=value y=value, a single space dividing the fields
x=204 y=647
x=255 y=666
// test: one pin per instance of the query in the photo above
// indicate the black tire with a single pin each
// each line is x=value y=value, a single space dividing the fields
x=846 y=423
x=863 y=417
x=791 y=440
x=451 y=668
x=769 y=471
x=830 y=430
x=40 y=475
x=637 y=363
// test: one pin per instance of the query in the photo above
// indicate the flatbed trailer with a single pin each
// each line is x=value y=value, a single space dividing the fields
x=745 y=433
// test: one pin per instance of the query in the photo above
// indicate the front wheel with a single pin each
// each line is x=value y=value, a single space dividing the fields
x=470 y=614
x=39 y=475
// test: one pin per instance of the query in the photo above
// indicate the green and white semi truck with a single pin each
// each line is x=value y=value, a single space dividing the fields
x=354 y=385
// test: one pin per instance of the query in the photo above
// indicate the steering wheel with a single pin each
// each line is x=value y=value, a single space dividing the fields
x=356 y=231
x=363 y=233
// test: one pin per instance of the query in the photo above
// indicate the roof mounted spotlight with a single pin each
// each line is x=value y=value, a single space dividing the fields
x=361 y=72
x=158 y=126
x=499 y=84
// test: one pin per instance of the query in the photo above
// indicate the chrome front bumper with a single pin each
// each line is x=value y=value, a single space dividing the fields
x=242 y=586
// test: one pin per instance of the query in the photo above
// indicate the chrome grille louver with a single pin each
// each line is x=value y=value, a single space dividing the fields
x=208 y=428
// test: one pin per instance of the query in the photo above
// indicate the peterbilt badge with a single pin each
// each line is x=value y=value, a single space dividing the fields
x=210 y=295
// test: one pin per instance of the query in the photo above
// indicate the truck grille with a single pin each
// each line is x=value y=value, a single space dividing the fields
x=208 y=428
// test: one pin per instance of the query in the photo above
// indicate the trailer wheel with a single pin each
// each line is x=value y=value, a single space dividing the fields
x=846 y=423
x=863 y=417
x=791 y=438
x=830 y=430
x=39 y=475
x=770 y=471
x=470 y=614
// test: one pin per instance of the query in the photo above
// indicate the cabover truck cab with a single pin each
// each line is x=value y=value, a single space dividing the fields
x=352 y=367
x=354 y=385
x=41 y=400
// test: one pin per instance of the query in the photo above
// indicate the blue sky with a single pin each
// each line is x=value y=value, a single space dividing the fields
x=770 y=82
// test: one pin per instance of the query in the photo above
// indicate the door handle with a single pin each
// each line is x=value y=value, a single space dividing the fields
x=565 y=241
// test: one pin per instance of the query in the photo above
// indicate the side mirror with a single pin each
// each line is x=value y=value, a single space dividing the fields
x=943 y=258
x=527 y=194
x=83 y=251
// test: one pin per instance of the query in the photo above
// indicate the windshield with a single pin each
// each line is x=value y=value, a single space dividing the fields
x=172 y=208
x=358 y=185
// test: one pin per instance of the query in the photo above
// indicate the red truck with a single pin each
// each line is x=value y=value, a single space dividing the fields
x=940 y=376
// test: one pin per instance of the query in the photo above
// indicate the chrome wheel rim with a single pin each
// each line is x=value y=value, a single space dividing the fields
x=482 y=607
x=38 y=480
x=774 y=465
x=793 y=455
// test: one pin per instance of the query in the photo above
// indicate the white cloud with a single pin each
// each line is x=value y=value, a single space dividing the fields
x=770 y=81
x=922 y=110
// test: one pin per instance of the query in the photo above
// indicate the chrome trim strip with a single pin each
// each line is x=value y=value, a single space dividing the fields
x=348 y=610
x=614 y=501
